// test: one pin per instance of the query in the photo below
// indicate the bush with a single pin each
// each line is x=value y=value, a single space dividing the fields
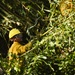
x=53 y=52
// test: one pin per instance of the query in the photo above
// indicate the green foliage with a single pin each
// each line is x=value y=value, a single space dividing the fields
x=53 y=53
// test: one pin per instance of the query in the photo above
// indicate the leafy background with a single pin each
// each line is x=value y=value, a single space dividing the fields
x=53 y=52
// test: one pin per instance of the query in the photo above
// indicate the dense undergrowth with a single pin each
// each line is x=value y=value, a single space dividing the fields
x=53 y=52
